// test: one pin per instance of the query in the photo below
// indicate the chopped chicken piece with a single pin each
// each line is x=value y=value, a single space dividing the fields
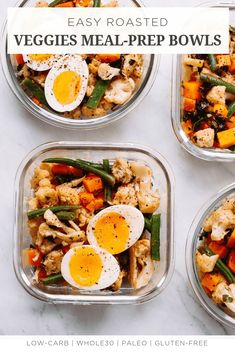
x=187 y=60
x=126 y=195
x=52 y=262
x=41 y=4
x=117 y=285
x=141 y=264
x=216 y=95
x=121 y=171
x=71 y=234
x=205 y=138
x=47 y=246
x=83 y=216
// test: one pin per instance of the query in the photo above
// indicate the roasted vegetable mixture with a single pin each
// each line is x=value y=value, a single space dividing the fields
x=208 y=90
x=79 y=86
x=93 y=225
x=215 y=256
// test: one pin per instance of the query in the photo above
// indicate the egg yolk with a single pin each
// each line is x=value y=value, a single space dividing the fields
x=112 y=232
x=40 y=57
x=85 y=266
x=66 y=87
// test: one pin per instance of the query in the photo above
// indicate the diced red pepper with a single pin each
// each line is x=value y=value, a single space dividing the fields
x=231 y=261
x=218 y=249
x=65 y=169
x=65 y=249
x=34 y=257
x=19 y=59
x=42 y=273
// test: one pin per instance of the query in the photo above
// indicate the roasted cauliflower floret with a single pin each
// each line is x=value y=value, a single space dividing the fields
x=141 y=264
x=52 y=262
x=33 y=204
x=219 y=222
x=126 y=195
x=120 y=90
x=47 y=196
x=68 y=195
x=148 y=200
x=106 y=72
x=229 y=204
x=205 y=263
x=121 y=171
x=140 y=171
x=132 y=63
x=205 y=138
x=33 y=225
x=39 y=174
x=225 y=294
x=91 y=84
x=216 y=95
x=94 y=66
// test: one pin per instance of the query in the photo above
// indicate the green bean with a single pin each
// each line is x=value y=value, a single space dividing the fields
x=52 y=279
x=220 y=265
x=57 y=2
x=212 y=61
x=35 y=90
x=41 y=211
x=65 y=215
x=155 y=236
x=96 y=3
x=96 y=165
x=147 y=223
x=231 y=110
x=108 y=178
x=107 y=189
x=216 y=81
x=97 y=93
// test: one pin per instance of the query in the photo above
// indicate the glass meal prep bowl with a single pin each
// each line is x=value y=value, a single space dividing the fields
x=150 y=68
x=219 y=314
x=95 y=152
x=210 y=154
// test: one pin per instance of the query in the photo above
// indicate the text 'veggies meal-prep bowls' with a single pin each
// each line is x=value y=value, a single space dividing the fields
x=192 y=244
x=96 y=152
x=150 y=67
x=211 y=154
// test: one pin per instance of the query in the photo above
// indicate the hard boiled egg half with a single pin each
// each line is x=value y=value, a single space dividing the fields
x=66 y=83
x=89 y=267
x=116 y=228
x=40 y=62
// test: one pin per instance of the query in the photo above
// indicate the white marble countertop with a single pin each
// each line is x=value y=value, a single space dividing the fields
x=175 y=310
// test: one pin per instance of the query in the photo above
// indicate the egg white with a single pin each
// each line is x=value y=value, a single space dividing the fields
x=66 y=63
x=134 y=218
x=43 y=65
x=109 y=274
